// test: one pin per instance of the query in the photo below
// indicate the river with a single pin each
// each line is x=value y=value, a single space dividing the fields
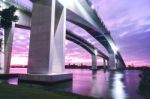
x=109 y=85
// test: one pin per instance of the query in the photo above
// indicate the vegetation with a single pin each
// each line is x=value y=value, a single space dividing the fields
x=137 y=68
x=144 y=87
x=23 y=92
x=7 y=17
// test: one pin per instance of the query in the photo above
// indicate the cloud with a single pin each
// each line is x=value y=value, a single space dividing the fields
x=123 y=34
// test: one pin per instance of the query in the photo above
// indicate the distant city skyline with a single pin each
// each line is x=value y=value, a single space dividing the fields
x=128 y=22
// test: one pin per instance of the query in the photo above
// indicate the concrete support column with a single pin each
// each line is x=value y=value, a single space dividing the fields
x=47 y=40
x=112 y=62
x=5 y=55
x=8 y=41
x=117 y=63
x=2 y=69
x=104 y=61
x=94 y=62
x=120 y=65
x=107 y=62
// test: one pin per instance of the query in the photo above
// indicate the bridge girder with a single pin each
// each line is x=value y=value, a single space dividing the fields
x=84 y=16
x=85 y=44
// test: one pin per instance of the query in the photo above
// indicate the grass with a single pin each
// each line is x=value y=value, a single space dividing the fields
x=23 y=92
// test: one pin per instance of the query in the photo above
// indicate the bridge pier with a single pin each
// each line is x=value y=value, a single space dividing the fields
x=112 y=61
x=2 y=66
x=104 y=62
x=94 y=62
x=6 y=49
x=47 y=41
x=120 y=66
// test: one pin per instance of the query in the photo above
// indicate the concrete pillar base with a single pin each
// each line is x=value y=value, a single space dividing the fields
x=42 y=78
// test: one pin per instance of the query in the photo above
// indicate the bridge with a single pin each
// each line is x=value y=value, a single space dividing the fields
x=89 y=47
x=53 y=15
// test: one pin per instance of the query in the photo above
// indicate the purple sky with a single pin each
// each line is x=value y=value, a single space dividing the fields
x=128 y=21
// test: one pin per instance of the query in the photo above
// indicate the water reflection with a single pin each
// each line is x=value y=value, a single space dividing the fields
x=117 y=87
x=12 y=81
x=95 y=89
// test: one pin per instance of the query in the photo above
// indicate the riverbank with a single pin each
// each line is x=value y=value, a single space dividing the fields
x=23 y=92
x=144 y=87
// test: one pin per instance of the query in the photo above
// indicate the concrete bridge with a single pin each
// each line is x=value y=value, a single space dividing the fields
x=89 y=47
x=49 y=18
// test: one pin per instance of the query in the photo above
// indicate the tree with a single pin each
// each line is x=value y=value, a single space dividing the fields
x=7 y=17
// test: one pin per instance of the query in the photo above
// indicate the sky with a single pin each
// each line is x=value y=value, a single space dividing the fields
x=128 y=21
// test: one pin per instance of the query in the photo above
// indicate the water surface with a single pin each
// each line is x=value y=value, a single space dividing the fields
x=109 y=85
